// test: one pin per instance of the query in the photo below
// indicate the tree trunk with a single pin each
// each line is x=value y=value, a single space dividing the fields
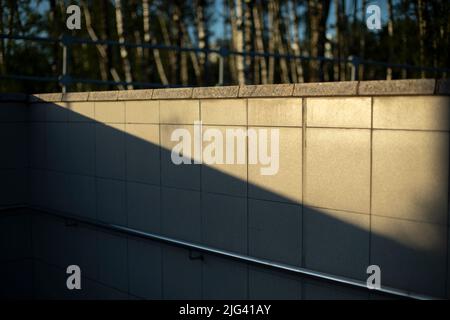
x=248 y=38
x=422 y=27
x=149 y=39
x=362 y=42
x=2 y=42
x=200 y=21
x=123 y=50
x=259 y=41
x=280 y=45
x=237 y=38
x=296 y=41
x=100 y=48
x=318 y=13
x=391 y=38
x=270 y=20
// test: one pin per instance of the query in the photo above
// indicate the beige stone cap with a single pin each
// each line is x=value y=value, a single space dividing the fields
x=345 y=88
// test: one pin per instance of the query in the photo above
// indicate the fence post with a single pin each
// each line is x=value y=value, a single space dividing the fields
x=223 y=52
x=64 y=79
x=354 y=67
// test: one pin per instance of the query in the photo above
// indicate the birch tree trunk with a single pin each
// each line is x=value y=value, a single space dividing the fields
x=318 y=13
x=422 y=26
x=296 y=40
x=123 y=50
x=100 y=48
x=270 y=21
x=149 y=39
x=259 y=41
x=200 y=21
x=239 y=42
x=279 y=43
x=391 y=38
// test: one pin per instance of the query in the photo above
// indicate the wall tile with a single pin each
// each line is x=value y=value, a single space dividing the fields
x=338 y=169
x=286 y=184
x=336 y=242
x=420 y=112
x=110 y=111
x=185 y=176
x=275 y=112
x=339 y=112
x=81 y=148
x=224 y=279
x=225 y=222
x=275 y=231
x=142 y=111
x=143 y=153
x=410 y=175
x=221 y=177
x=181 y=216
x=265 y=284
x=113 y=264
x=182 y=277
x=81 y=111
x=111 y=199
x=144 y=207
x=110 y=151
x=145 y=269
x=179 y=111
x=411 y=255
x=224 y=111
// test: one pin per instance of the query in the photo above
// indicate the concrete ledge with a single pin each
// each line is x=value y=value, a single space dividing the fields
x=75 y=96
x=443 y=87
x=216 y=92
x=144 y=94
x=13 y=97
x=324 y=89
x=266 y=90
x=345 y=88
x=104 y=95
x=47 y=97
x=172 y=93
x=395 y=87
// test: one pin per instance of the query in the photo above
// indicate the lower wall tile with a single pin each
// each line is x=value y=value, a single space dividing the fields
x=275 y=231
x=316 y=290
x=224 y=222
x=16 y=280
x=336 y=242
x=224 y=279
x=111 y=201
x=411 y=255
x=113 y=264
x=182 y=277
x=145 y=269
x=266 y=284
x=144 y=207
x=15 y=236
x=181 y=214
x=13 y=184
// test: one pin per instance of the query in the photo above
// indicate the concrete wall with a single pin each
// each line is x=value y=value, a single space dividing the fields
x=363 y=179
x=14 y=150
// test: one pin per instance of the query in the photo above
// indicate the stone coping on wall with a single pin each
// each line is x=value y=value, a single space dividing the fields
x=323 y=89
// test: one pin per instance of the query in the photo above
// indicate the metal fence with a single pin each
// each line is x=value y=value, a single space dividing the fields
x=66 y=42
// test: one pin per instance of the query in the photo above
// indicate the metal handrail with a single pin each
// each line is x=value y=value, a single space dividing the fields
x=236 y=256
